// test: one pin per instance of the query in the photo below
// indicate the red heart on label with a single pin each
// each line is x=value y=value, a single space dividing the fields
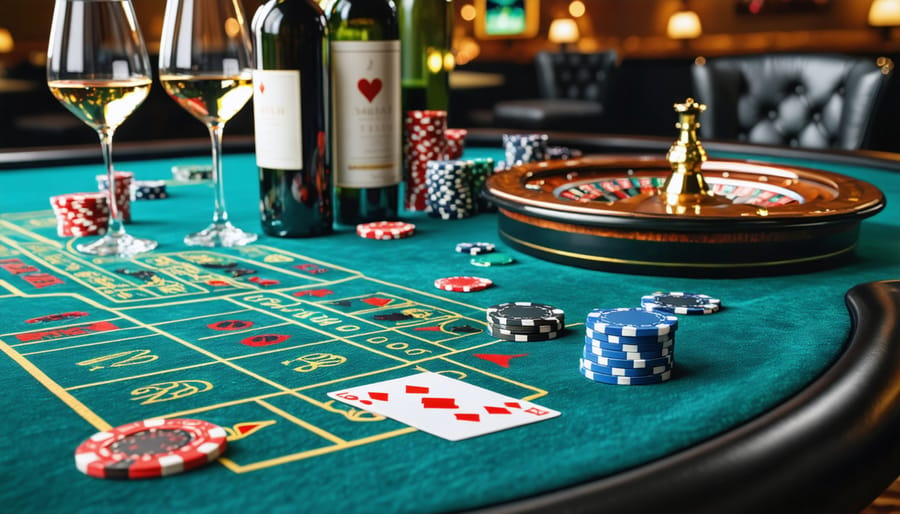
x=369 y=89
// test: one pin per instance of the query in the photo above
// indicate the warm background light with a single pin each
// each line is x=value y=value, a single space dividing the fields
x=468 y=12
x=563 y=30
x=684 y=25
x=884 y=13
x=6 y=41
x=577 y=9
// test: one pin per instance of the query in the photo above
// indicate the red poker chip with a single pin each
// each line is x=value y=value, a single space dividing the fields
x=463 y=284
x=385 y=230
x=150 y=448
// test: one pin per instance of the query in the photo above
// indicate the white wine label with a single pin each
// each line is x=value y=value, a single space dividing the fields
x=277 y=122
x=367 y=129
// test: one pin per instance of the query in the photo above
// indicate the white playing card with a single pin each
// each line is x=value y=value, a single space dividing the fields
x=443 y=406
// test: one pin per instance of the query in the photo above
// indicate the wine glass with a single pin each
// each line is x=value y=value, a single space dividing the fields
x=205 y=64
x=97 y=67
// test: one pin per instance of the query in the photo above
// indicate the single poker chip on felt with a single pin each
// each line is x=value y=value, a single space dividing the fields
x=475 y=248
x=492 y=259
x=463 y=284
x=150 y=448
x=385 y=230
x=526 y=314
x=631 y=322
x=609 y=379
x=681 y=303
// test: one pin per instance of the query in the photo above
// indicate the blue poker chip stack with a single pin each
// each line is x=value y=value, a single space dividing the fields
x=628 y=346
x=524 y=148
x=448 y=186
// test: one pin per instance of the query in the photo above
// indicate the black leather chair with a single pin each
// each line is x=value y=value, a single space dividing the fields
x=801 y=100
x=573 y=89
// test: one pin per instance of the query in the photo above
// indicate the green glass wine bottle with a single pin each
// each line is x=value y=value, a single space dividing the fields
x=426 y=29
x=366 y=110
x=291 y=92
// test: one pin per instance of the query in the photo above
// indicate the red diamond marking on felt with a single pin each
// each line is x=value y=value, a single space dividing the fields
x=467 y=417
x=377 y=302
x=430 y=329
x=498 y=358
x=410 y=389
x=513 y=405
x=439 y=403
x=379 y=396
x=496 y=410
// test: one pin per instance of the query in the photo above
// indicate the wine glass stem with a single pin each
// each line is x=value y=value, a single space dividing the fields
x=220 y=215
x=115 y=226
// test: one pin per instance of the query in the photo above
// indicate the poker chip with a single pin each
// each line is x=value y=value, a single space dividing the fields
x=624 y=372
x=513 y=329
x=492 y=259
x=638 y=340
x=192 y=172
x=149 y=190
x=449 y=189
x=80 y=214
x=463 y=284
x=424 y=140
x=150 y=448
x=526 y=314
x=481 y=169
x=475 y=248
x=385 y=230
x=618 y=380
x=680 y=303
x=521 y=337
x=121 y=191
x=631 y=322
x=628 y=363
x=524 y=148
x=635 y=356
x=564 y=153
x=626 y=346
x=456 y=142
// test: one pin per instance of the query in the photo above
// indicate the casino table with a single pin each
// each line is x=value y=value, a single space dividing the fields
x=786 y=400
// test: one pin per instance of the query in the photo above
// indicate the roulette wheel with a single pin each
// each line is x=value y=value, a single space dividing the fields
x=685 y=214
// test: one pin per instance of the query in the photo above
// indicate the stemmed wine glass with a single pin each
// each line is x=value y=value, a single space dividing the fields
x=97 y=67
x=205 y=64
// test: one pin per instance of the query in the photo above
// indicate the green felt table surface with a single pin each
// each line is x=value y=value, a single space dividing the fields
x=773 y=336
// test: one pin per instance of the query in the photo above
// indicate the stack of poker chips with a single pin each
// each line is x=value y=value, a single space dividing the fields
x=122 y=191
x=424 y=140
x=456 y=142
x=149 y=190
x=628 y=346
x=525 y=321
x=449 y=189
x=562 y=153
x=524 y=148
x=192 y=172
x=482 y=168
x=80 y=214
x=675 y=302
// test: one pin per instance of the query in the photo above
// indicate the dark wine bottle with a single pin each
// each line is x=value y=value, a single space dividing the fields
x=291 y=93
x=366 y=109
x=426 y=29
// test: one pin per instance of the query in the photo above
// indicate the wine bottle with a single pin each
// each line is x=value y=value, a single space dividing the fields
x=426 y=28
x=291 y=93
x=366 y=110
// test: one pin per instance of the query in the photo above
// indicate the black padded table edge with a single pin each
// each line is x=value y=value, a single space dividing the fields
x=832 y=448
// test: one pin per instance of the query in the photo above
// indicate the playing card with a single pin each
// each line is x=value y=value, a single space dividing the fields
x=443 y=406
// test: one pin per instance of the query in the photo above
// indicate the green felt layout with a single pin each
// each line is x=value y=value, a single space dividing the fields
x=197 y=341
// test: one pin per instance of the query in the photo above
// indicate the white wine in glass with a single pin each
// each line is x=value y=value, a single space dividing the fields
x=97 y=67
x=205 y=65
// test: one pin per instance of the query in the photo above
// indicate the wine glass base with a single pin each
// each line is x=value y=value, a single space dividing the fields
x=120 y=245
x=220 y=235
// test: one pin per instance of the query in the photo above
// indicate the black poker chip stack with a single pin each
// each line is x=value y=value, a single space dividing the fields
x=525 y=321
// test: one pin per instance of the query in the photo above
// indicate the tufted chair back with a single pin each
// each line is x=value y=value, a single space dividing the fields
x=575 y=76
x=803 y=100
